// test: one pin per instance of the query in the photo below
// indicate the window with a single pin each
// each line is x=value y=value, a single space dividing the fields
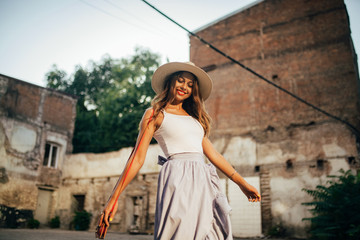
x=320 y=164
x=289 y=164
x=80 y=202
x=51 y=155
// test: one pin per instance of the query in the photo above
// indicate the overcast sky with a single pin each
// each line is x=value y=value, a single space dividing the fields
x=35 y=34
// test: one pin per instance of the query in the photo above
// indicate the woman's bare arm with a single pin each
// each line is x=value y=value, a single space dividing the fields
x=147 y=129
x=224 y=166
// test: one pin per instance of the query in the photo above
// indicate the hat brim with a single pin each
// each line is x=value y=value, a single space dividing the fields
x=164 y=71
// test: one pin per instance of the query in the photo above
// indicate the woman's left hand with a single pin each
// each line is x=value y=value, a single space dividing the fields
x=251 y=193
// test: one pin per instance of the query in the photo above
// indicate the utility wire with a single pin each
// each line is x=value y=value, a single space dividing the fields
x=114 y=16
x=159 y=31
x=352 y=128
x=141 y=20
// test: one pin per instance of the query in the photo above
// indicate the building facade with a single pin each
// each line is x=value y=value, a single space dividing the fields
x=36 y=129
x=277 y=141
x=88 y=180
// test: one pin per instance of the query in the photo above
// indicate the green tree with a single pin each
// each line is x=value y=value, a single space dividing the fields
x=112 y=96
x=336 y=208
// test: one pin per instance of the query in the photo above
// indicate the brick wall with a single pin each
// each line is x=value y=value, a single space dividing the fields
x=58 y=111
x=38 y=105
x=21 y=100
x=303 y=46
x=306 y=48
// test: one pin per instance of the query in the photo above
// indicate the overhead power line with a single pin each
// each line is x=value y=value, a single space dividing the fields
x=114 y=16
x=144 y=25
x=352 y=128
x=139 y=19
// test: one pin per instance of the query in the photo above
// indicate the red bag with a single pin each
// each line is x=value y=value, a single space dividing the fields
x=102 y=228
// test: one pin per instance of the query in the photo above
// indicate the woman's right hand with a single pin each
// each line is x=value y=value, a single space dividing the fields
x=250 y=192
x=108 y=213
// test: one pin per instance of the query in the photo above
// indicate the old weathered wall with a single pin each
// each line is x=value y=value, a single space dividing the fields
x=289 y=163
x=95 y=175
x=30 y=118
x=306 y=48
x=303 y=46
x=45 y=109
x=312 y=156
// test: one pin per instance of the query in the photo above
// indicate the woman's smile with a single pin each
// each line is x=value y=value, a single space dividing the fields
x=183 y=86
x=181 y=92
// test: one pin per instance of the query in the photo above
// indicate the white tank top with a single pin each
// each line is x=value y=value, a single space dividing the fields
x=179 y=134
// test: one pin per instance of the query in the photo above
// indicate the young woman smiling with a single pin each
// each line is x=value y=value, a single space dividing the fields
x=189 y=204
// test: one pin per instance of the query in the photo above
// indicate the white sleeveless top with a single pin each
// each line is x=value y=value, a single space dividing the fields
x=179 y=134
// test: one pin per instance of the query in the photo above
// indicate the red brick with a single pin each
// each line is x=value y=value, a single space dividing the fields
x=303 y=46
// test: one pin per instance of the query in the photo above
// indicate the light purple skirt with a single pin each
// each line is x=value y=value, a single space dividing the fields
x=189 y=202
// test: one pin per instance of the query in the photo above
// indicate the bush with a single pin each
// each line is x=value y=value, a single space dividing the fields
x=82 y=220
x=55 y=222
x=33 y=223
x=336 y=208
x=276 y=231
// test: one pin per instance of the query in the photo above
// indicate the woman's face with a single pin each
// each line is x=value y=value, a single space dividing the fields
x=184 y=86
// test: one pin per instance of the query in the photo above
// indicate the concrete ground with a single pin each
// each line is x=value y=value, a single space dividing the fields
x=56 y=234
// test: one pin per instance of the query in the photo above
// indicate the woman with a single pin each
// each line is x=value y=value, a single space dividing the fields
x=189 y=202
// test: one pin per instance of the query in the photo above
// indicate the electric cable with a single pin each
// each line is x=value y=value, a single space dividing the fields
x=352 y=128
x=114 y=16
x=141 y=26
x=142 y=21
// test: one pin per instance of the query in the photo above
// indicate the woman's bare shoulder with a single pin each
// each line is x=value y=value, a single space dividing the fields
x=149 y=112
x=149 y=116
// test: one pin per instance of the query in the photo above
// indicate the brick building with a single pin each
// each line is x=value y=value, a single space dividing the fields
x=276 y=141
x=278 y=144
x=36 y=129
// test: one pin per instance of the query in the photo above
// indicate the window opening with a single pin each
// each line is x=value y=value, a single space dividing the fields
x=80 y=202
x=320 y=164
x=351 y=160
x=51 y=155
x=289 y=165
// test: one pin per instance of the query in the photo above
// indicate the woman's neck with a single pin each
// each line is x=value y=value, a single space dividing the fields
x=176 y=109
x=175 y=106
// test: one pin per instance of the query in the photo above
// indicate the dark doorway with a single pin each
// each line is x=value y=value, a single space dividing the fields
x=80 y=202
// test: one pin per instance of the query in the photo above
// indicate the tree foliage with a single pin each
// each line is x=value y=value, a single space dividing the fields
x=112 y=97
x=82 y=220
x=336 y=208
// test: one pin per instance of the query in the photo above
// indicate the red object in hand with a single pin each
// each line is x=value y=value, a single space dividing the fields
x=101 y=229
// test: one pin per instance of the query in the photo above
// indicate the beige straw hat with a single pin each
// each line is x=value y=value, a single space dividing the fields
x=164 y=71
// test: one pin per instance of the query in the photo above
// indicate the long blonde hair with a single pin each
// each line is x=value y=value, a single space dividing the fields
x=194 y=105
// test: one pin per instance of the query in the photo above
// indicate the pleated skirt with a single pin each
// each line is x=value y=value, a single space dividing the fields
x=190 y=204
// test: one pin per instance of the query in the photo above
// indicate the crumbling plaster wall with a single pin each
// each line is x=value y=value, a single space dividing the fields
x=24 y=130
x=19 y=164
x=88 y=165
x=313 y=152
x=95 y=175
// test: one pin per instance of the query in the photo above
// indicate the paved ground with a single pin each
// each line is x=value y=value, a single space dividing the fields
x=52 y=234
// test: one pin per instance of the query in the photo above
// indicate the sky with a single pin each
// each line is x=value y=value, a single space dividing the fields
x=35 y=34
